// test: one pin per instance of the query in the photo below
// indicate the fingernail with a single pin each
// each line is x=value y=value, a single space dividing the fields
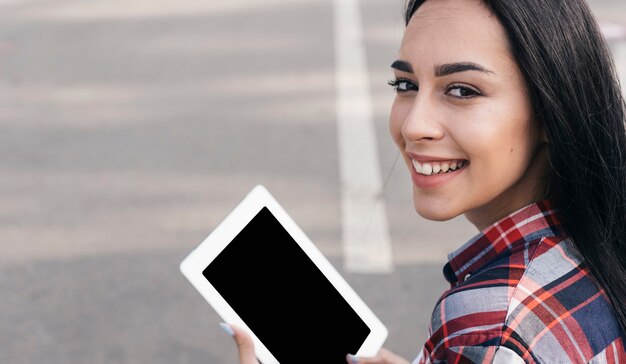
x=353 y=359
x=227 y=329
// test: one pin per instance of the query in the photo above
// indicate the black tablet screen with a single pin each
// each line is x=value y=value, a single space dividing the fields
x=283 y=297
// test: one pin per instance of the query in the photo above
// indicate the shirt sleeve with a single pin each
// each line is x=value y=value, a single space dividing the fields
x=471 y=354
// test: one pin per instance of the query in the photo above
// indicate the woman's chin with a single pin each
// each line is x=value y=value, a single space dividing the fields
x=431 y=210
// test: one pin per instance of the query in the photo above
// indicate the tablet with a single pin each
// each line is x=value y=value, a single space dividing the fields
x=259 y=271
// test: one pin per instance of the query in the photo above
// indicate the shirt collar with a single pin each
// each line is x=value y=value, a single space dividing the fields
x=520 y=227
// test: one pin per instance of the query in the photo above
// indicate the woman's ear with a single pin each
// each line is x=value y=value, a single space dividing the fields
x=544 y=136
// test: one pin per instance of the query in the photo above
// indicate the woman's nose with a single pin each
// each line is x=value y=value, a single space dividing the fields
x=423 y=121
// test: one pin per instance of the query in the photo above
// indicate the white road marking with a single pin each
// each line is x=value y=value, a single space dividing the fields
x=619 y=56
x=615 y=34
x=618 y=48
x=613 y=30
x=365 y=231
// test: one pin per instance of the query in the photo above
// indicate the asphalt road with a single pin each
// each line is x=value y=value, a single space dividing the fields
x=129 y=129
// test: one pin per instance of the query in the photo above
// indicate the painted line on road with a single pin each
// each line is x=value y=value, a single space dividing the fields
x=619 y=57
x=615 y=34
x=613 y=30
x=365 y=230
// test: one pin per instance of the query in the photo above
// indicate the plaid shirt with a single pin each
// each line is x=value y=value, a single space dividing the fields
x=520 y=293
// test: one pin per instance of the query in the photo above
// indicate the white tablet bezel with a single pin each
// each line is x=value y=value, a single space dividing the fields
x=194 y=264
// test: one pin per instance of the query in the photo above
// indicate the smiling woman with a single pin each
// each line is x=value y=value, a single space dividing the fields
x=466 y=107
x=516 y=121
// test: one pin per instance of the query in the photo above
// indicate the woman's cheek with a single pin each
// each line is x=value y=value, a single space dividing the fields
x=396 y=120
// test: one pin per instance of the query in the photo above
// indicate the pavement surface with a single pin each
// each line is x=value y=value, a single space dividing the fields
x=129 y=129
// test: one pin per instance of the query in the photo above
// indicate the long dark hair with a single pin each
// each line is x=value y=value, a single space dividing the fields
x=576 y=95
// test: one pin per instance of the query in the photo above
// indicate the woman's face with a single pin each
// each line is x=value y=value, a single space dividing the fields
x=462 y=103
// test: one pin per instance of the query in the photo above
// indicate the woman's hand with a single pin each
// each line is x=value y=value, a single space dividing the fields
x=244 y=342
x=384 y=356
x=245 y=345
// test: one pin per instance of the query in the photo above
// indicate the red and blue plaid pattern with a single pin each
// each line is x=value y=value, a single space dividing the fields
x=521 y=293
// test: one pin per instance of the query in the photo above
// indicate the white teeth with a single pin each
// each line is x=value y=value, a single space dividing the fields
x=428 y=169
x=417 y=166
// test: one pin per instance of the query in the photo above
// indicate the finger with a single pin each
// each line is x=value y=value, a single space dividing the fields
x=384 y=356
x=245 y=345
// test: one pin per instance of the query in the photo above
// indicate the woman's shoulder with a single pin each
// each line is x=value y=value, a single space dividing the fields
x=557 y=310
x=490 y=289
x=540 y=302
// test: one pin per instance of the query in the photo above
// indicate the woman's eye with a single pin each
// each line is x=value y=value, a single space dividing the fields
x=462 y=92
x=401 y=85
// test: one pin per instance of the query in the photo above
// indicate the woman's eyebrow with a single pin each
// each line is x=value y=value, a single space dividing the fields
x=450 y=68
x=443 y=69
x=402 y=66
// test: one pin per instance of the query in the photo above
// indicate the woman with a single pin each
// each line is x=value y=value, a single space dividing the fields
x=509 y=112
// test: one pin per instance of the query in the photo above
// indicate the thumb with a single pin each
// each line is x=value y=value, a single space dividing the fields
x=384 y=356
x=245 y=345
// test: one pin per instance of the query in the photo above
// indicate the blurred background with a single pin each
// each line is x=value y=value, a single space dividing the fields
x=130 y=128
